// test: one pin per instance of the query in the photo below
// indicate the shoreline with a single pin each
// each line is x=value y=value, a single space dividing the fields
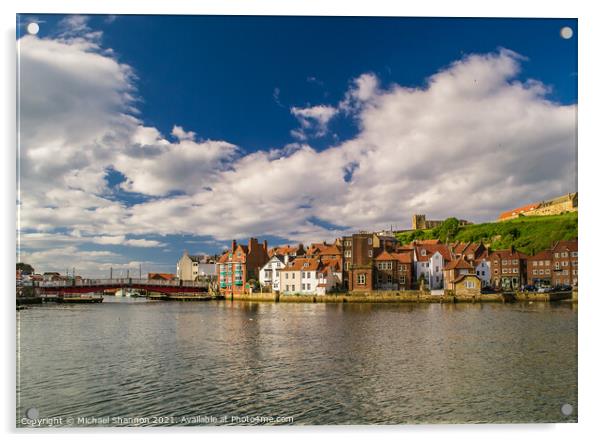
x=407 y=297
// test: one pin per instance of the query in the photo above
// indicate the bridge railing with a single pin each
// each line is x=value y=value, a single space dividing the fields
x=117 y=282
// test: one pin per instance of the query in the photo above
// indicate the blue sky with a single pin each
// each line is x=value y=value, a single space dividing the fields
x=290 y=85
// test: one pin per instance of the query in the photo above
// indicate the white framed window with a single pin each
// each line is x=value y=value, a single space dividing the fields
x=370 y=253
x=361 y=279
x=469 y=284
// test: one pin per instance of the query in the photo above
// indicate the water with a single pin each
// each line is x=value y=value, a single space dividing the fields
x=138 y=362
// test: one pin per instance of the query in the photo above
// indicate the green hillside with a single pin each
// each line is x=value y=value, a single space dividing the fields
x=529 y=234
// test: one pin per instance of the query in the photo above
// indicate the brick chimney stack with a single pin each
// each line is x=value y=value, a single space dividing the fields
x=265 y=245
x=233 y=245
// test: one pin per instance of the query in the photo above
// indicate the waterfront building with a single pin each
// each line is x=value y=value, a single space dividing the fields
x=393 y=271
x=194 y=267
x=539 y=269
x=269 y=274
x=326 y=252
x=241 y=264
x=477 y=255
x=359 y=251
x=454 y=269
x=467 y=284
x=565 y=263
x=300 y=276
x=508 y=269
x=429 y=261
x=329 y=277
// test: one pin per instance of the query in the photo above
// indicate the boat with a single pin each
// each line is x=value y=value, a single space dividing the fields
x=82 y=299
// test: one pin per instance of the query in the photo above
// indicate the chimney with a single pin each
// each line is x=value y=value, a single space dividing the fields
x=265 y=245
x=233 y=245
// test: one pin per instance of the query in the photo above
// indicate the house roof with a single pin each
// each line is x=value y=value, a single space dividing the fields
x=458 y=264
x=165 y=276
x=405 y=258
x=544 y=254
x=299 y=264
x=465 y=275
x=431 y=249
x=508 y=254
x=519 y=210
x=570 y=245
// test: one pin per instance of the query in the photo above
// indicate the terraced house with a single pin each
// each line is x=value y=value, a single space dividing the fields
x=508 y=269
x=565 y=263
x=393 y=271
x=240 y=264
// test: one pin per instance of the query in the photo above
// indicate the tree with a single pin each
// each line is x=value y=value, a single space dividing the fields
x=25 y=268
x=448 y=230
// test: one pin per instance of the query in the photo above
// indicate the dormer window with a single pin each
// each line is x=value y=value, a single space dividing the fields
x=305 y=264
x=423 y=252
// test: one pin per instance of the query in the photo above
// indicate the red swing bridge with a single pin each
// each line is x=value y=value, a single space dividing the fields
x=56 y=288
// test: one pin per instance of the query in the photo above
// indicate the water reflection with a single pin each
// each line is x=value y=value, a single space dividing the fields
x=320 y=363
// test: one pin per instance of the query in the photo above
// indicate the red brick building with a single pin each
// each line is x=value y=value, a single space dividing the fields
x=565 y=263
x=540 y=269
x=393 y=271
x=359 y=252
x=508 y=269
x=240 y=264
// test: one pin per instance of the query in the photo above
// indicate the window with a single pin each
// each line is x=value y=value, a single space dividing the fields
x=515 y=270
x=495 y=262
x=402 y=279
x=535 y=271
x=361 y=279
x=305 y=264
x=534 y=263
x=515 y=261
x=369 y=241
x=347 y=253
x=504 y=262
x=541 y=271
x=547 y=271
x=574 y=254
x=437 y=269
x=389 y=266
x=495 y=271
x=564 y=254
x=302 y=286
x=557 y=255
x=293 y=277
x=547 y=262
x=370 y=253
x=423 y=252
x=574 y=272
x=287 y=288
x=574 y=263
x=302 y=275
x=469 y=284
x=347 y=265
x=556 y=266
x=347 y=243
x=293 y=288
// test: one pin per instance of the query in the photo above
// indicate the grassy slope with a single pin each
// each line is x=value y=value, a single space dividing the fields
x=529 y=234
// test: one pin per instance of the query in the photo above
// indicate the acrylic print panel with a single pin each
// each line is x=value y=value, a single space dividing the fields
x=286 y=221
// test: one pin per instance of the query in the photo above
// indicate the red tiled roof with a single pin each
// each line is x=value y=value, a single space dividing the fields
x=519 y=210
x=404 y=258
x=544 y=254
x=458 y=264
x=165 y=276
x=570 y=245
x=299 y=265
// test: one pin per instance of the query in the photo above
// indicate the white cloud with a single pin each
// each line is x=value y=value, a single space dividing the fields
x=473 y=142
x=314 y=118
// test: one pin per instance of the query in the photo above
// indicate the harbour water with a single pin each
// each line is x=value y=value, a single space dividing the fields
x=129 y=361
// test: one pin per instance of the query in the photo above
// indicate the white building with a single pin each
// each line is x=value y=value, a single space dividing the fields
x=483 y=271
x=269 y=274
x=192 y=267
x=300 y=276
x=429 y=261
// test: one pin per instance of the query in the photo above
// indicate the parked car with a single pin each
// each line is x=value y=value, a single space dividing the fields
x=544 y=289
x=530 y=288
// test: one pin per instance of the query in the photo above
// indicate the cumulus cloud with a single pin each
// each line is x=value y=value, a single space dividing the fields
x=474 y=141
